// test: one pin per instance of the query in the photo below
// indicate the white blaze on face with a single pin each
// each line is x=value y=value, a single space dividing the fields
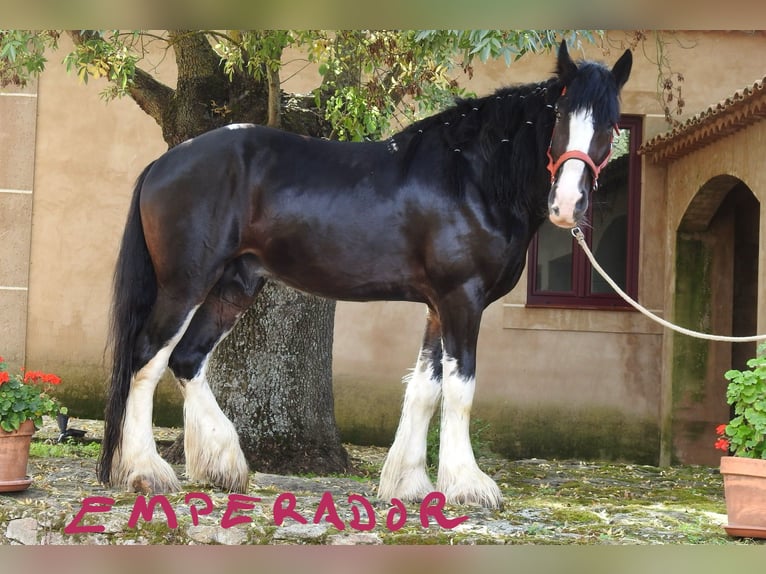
x=568 y=191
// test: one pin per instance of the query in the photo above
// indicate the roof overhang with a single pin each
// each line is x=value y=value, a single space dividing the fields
x=744 y=108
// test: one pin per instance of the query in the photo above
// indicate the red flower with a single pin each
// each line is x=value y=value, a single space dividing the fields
x=4 y=377
x=40 y=377
x=720 y=429
x=51 y=379
x=722 y=444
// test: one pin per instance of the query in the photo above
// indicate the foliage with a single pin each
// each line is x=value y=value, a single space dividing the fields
x=25 y=397
x=22 y=54
x=670 y=82
x=371 y=79
x=490 y=44
x=745 y=435
x=255 y=51
x=106 y=54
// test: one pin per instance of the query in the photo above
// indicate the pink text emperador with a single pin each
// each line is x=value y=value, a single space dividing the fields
x=283 y=508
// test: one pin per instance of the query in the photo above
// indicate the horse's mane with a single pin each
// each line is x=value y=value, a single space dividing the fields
x=595 y=83
x=507 y=133
x=499 y=114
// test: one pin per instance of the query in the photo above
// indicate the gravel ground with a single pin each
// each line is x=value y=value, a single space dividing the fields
x=547 y=502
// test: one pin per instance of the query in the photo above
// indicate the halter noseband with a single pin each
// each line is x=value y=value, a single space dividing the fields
x=554 y=166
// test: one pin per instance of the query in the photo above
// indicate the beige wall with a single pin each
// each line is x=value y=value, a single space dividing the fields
x=737 y=157
x=744 y=161
x=542 y=373
x=18 y=110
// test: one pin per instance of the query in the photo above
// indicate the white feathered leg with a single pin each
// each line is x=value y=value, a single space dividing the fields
x=211 y=443
x=460 y=478
x=136 y=465
x=404 y=473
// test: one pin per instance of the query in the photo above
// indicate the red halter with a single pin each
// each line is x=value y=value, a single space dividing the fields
x=554 y=166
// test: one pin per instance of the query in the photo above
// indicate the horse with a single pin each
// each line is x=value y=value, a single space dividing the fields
x=440 y=213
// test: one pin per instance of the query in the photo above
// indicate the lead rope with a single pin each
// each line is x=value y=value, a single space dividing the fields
x=578 y=235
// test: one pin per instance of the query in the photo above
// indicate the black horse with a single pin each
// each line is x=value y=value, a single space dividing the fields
x=441 y=213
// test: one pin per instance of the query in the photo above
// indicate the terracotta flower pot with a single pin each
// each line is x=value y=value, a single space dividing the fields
x=744 y=483
x=14 y=454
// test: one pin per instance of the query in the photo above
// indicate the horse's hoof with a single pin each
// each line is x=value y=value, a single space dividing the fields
x=226 y=469
x=152 y=475
x=473 y=488
x=143 y=484
x=413 y=486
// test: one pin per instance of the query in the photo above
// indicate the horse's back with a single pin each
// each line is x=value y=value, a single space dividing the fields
x=268 y=160
x=305 y=208
x=358 y=221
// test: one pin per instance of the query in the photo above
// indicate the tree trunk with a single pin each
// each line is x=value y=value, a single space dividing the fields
x=272 y=375
x=273 y=378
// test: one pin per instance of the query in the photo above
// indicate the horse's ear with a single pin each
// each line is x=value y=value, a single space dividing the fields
x=621 y=70
x=565 y=67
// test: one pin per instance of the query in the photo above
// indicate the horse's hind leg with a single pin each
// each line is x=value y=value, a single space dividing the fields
x=404 y=473
x=211 y=444
x=136 y=464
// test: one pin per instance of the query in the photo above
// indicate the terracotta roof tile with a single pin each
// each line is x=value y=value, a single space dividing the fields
x=739 y=110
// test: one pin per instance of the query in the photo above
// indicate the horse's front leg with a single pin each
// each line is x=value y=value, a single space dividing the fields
x=404 y=473
x=460 y=479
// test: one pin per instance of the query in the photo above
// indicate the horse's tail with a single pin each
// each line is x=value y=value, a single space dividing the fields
x=134 y=293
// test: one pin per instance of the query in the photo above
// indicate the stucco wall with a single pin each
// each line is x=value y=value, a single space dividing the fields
x=697 y=402
x=744 y=161
x=571 y=382
x=18 y=110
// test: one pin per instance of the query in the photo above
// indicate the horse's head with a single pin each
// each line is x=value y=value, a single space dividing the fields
x=587 y=113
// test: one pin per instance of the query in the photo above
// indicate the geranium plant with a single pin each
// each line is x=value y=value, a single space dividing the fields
x=745 y=434
x=26 y=396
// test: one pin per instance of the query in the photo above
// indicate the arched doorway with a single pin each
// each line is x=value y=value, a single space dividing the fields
x=716 y=291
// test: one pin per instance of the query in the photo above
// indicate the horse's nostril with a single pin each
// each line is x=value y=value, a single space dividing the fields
x=555 y=209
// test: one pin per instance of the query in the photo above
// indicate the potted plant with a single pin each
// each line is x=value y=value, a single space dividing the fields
x=24 y=400
x=744 y=437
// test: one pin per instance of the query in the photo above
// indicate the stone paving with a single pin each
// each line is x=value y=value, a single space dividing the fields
x=547 y=502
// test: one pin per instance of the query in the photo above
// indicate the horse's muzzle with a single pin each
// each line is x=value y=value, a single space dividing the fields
x=566 y=211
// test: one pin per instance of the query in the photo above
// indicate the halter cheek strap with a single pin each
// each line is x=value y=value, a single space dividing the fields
x=554 y=166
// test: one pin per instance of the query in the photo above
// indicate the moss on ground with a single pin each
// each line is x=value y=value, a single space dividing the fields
x=569 y=502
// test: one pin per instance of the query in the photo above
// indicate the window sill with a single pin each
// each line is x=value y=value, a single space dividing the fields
x=612 y=320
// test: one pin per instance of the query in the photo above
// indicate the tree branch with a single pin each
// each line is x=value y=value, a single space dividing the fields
x=275 y=98
x=151 y=95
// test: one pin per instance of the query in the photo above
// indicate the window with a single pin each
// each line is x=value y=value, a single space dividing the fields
x=559 y=273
